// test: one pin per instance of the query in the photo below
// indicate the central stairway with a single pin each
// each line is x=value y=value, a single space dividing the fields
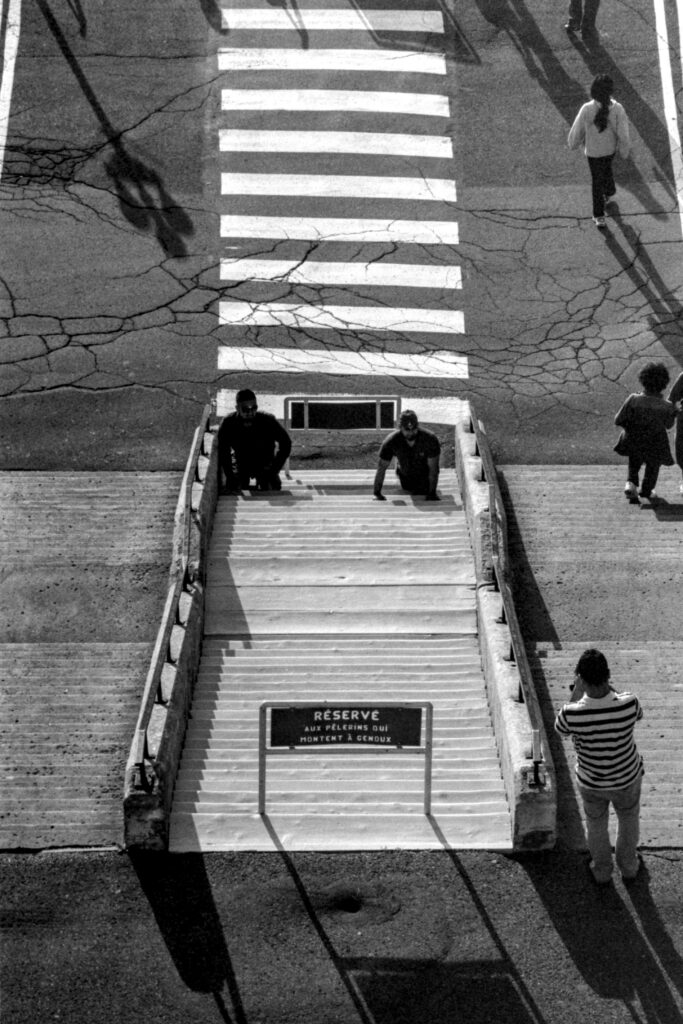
x=322 y=593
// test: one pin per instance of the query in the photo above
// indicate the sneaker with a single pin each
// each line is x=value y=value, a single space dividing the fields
x=600 y=222
x=630 y=490
x=630 y=879
x=571 y=27
x=651 y=495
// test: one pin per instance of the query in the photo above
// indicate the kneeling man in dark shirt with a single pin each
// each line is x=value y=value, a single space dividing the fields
x=417 y=454
x=252 y=445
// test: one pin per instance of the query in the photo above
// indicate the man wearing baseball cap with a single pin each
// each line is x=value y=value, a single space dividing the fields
x=417 y=453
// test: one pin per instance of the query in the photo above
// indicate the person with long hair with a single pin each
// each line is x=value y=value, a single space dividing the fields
x=601 y=127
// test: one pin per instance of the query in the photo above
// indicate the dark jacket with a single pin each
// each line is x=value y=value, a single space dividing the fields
x=645 y=420
x=263 y=445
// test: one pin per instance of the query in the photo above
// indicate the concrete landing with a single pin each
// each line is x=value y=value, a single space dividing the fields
x=594 y=571
x=322 y=593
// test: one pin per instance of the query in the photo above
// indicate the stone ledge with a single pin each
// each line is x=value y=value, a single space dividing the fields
x=533 y=808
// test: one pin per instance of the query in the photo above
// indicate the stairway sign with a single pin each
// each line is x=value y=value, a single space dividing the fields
x=336 y=727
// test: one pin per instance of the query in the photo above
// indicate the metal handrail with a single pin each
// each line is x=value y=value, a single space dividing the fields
x=152 y=695
x=500 y=561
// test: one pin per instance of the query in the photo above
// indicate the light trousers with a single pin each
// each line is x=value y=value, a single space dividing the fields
x=596 y=805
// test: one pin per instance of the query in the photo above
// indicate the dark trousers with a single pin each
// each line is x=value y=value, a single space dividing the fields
x=582 y=15
x=649 y=477
x=603 y=182
x=416 y=484
x=266 y=480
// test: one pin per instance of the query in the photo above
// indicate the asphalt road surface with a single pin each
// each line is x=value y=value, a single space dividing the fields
x=111 y=213
x=110 y=314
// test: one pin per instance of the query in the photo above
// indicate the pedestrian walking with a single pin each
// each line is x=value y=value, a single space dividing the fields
x=601 y=127
x=609 y=769
x=676 y=399
x=582 y=15
x=645 y=419
x=417 y=452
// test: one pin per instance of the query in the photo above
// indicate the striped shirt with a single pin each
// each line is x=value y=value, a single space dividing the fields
x=601 y=729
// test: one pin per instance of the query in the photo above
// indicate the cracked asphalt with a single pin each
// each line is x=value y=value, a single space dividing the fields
x=108 y=339
x=109 y=290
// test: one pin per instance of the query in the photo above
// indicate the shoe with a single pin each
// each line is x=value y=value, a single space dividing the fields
x=630 y=879
x=571 y=27
x=650 y=496
x=631 y=491
x=601 y=883
x=611 y=195
x=600 y=222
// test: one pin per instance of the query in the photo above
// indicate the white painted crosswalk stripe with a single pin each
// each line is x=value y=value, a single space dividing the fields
x=340 y=318
x=235 y=140
x=253 y=310
x=353 y=101
x=341 y=229
x=436 y=363
x=317 y=272
x=331 y=19
x=388 y=61
x=352 y=186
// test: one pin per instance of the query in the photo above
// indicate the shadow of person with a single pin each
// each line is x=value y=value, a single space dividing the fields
x=602 y=938
x=143 y=199
x=77 y=9
x=646 y=121
x=667 y=312
x=212 y=12
x=514 y=18
x=653 y=927
x=179 y=894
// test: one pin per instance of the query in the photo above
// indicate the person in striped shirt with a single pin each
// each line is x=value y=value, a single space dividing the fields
x=609 y=769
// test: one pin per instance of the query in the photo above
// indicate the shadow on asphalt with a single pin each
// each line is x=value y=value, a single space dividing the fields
x=143 y=199
x=539 y=56
x=390 y=990
x=644 y=119
x=635 y=260
x=179 y=894
x=605 y=942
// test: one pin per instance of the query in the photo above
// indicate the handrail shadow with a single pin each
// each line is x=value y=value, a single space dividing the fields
x=179 y=893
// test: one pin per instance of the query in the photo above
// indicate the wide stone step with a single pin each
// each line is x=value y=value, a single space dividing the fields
x=377 y=601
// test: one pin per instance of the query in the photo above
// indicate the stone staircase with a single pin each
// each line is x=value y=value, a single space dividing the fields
x=85 y=561
x=321 y=593
x=595 y=571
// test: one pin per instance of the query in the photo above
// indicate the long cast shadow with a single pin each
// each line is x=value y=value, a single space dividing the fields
x=179 y=893
x=667 y=312
x=143 y=198
x=567 y=95
x=602 y=939
x=644 y=119
x=388 y=990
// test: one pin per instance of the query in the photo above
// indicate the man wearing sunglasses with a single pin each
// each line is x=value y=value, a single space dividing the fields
x=417 y=453
x=252 y=445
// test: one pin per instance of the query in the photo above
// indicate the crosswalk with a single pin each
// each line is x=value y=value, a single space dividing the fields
x=338 y=218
